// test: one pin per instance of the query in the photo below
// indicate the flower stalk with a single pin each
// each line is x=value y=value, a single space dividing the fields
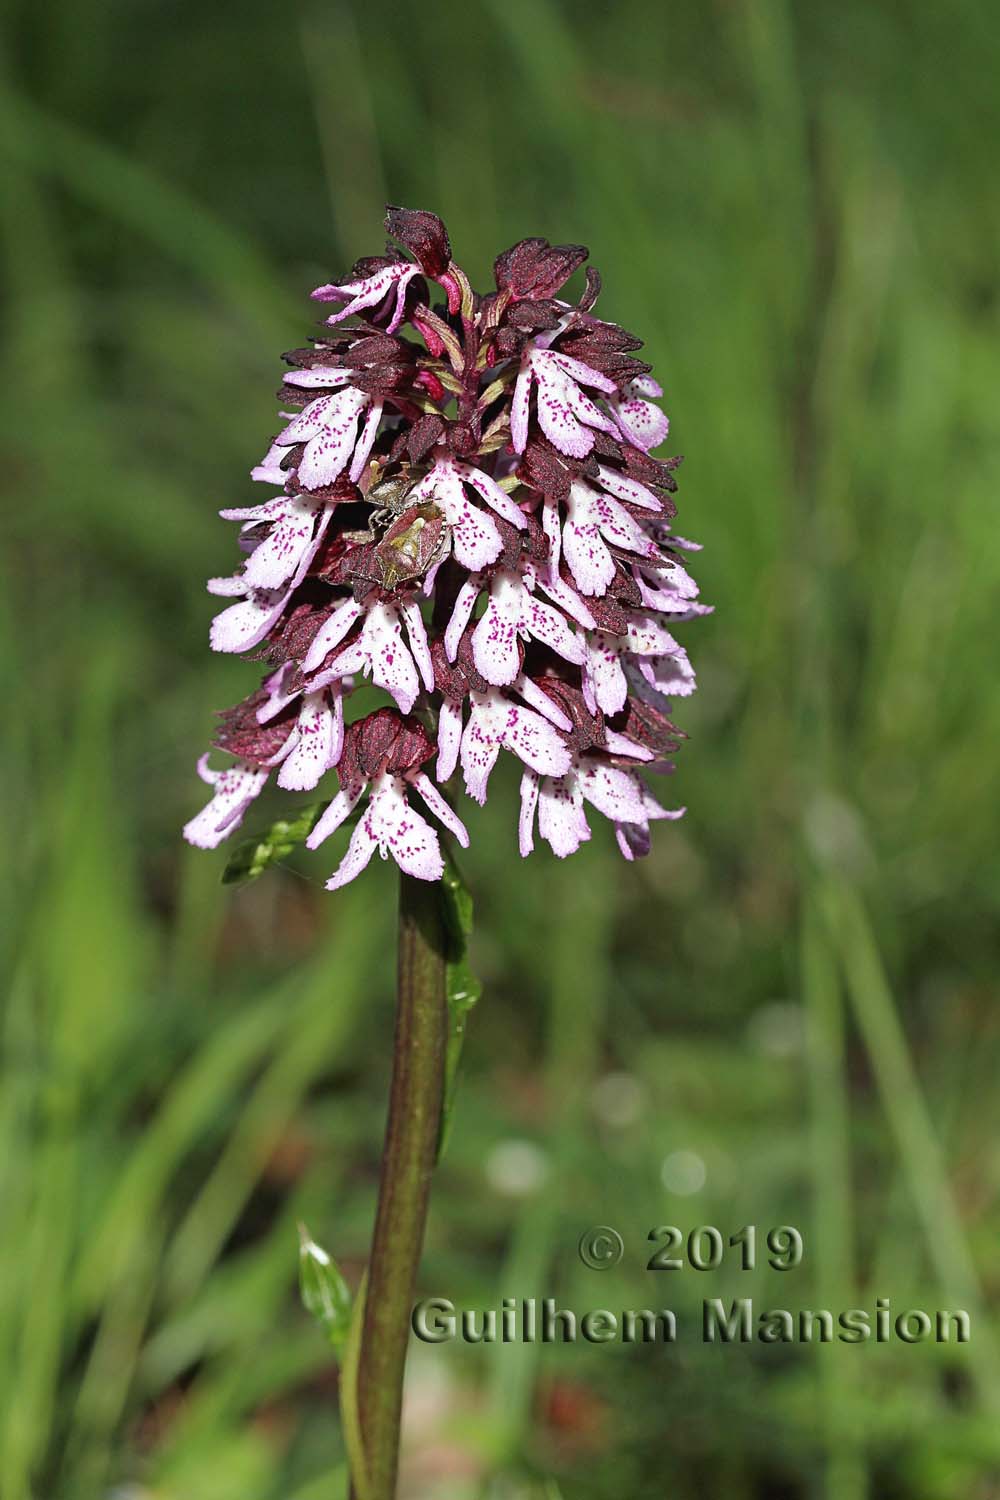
x=411 y=1137
x=466 y=510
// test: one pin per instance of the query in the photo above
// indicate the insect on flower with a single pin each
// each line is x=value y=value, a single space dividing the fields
x=413 y=544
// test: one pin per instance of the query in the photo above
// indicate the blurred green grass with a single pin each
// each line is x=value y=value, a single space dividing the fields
x=797 y=207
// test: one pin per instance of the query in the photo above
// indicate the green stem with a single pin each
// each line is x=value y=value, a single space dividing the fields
x=833 y=1229
x=407 y=1163
x=920 y=1151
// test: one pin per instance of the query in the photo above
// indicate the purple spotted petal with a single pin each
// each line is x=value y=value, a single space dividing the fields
x=315 y=745
x=616 y=793
x=461 y=615
x=624 y=488
x=526 y=821
x=561 y=818
x=359 y=852
x=246 y=624
x=640 y=420
x=273 y=562
x=340 y=808
x=480 y=749
x=441 y=809
x=475 y=539
x=419 y=644
x=520 y=405
x=604 y=684
x=389 y=660
x=448 y=740
x=370 y=292
x=494 y=496
x=233 y=791
x=329 y=428
x=552 y=629
x=331 y=633
x=494 y=640
x=401 y=832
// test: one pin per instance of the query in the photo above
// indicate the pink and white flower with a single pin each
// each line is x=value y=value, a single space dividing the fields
x=623 y=487
x=497 y=723
x=233 y=791
x=380 y=651
x=328 y=428
x=658 y=657
x=565 y=414
x=476 y=541
x=311 y=748
x=245 y=624
x=671 y=675
x=618 y=794
x=333 y=630
x=641 y=421
x=292 y=533
x=269 y=470
x=616 y=486
x=369 y=291
x=283 y=686
x=315 y=743
x=512 y=613
x=267 y=582
x=594 y=522
x=391 y=826
x=667 y=586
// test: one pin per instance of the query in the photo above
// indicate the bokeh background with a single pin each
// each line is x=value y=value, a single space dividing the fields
x=785 y=1016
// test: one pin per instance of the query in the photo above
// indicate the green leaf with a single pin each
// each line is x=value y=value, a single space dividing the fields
x=350 y=1413
x=325 y=1293
x=254 y=855
x=463 y=988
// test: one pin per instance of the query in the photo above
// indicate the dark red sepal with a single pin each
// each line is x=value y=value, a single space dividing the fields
x=533 y=314
x=606 y=348
x=534 y=268
x=423 y=234
x=647 y=726
x=588 y=728
x=550 y=472
x=240 y=734
x=383 y=741
x=293 y=635
x=456 y=680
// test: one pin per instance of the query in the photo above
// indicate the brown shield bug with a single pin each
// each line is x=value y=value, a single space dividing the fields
x=416 y=540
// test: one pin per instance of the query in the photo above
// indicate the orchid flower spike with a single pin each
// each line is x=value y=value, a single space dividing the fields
x=464 y=509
